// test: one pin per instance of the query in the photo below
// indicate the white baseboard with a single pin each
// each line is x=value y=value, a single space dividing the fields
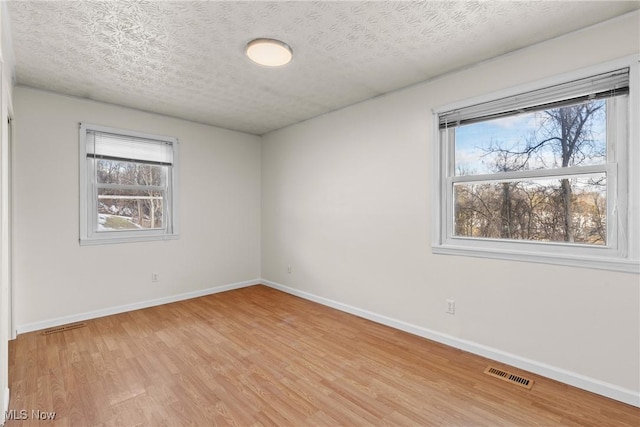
x=593 y=385
x=50 y=323
x=5 y=407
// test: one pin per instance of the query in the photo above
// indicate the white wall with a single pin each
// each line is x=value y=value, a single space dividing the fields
x=56 y=279
x=6 y=75
x=345 y=202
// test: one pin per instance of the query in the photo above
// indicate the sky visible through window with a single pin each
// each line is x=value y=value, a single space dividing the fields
x=478 y=146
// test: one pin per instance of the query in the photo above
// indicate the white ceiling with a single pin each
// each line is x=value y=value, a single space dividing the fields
x=186 y=58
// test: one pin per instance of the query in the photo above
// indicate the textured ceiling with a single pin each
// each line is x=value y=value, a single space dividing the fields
x=186 y=58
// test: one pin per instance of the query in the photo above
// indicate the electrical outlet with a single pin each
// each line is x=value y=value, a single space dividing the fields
x=289 y=269
x=154 y=277
x=450 y=307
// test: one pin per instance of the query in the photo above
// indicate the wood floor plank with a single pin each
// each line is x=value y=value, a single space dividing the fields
x=260 y=357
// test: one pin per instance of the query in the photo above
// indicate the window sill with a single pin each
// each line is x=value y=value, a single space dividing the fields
x=599 y=263
x=108 y=240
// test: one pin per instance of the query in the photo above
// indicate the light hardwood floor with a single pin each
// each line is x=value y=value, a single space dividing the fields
x=260 y=357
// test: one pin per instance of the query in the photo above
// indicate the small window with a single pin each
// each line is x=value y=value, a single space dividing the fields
x=540 y=176
x=127 y=186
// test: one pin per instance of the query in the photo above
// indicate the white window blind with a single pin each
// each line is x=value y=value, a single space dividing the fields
x=600 y=86
x=110 y=146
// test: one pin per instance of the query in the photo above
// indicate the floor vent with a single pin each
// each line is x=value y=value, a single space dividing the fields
x=64 y=328
x=508 y=376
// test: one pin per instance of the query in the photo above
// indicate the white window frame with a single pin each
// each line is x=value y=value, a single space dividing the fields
x=622 y=250
x=88 y=195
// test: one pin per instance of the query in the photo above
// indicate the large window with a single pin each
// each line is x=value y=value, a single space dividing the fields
x=540 y=175
x=127 y=185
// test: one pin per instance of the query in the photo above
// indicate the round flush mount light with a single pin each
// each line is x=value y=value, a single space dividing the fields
x=269 y=52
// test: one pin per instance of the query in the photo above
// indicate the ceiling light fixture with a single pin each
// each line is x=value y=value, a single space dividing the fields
x=269 y=52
